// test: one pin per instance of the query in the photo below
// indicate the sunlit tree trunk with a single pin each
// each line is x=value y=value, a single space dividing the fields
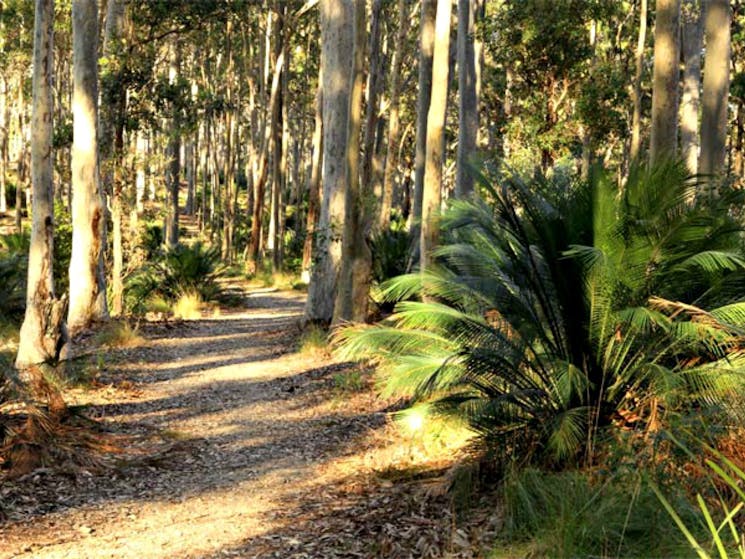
x=111 y=134
x=691 y=38
x=354 y=277
x=432 y=195
x=43 y=335
x=337 y=37
x=375 y=81
x=664 y=133
x=394 y=125
x=87 y=295
x=716 y=88
x=637 y=88
x=424 y=93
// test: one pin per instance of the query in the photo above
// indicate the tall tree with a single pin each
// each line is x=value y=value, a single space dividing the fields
x=173 y=154
x=111 y=134
x=337 y=38
x=43 y=332
x=354 y=282
x=664 y=134
x=424 y=94
x=435 y=152
x=468 y=100
x=636 y=137
x=87 y=294
x=716 y=88
x=691 y=38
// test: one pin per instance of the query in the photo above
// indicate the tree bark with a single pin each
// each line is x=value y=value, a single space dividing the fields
x=337 y=27
x=43 y=333
x=426 y=52
x=354 y=282
x=374 y=83
x=664 y=134
x=87 y=295
x=691 y=35
x=468 y=101
x=716 y=88
x=432 y=195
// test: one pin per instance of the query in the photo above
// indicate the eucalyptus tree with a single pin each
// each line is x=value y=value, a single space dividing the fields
x=691 y=43
x=337 y=39
x=87 y=289
x=716 y=87
x=43 y=332
x=664 y=129
x=435 y=146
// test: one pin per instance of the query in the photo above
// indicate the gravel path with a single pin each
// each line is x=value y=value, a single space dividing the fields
x=271 y=454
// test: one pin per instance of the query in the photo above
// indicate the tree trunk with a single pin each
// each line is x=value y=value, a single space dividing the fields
x=468 y=101
x=43 y=334
x=173 y=157
x=87 y=295
x=354 y=277
x=314 y=181
x=664 y=134
x=110 y=136
x=432 y=194
x=426 y=51
x=692 y=32
x=716 y=88
x=394 y=127
x=374 y=83
x=337 y=35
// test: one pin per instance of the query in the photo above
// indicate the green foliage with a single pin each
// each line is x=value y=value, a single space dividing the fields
x=568 y=514
x=390 y=252
x=725 y=532
x=182 y=269
x=551 y=317
x=62 y=248
x=13 y=270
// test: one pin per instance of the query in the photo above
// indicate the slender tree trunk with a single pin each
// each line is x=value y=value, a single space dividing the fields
x=432 y=195
x=374 y=83
x=716 y=88
x=4 y=121
x=664 y=134
x=269 y=127
x=637 y=89
x=394 y=126
x=354 y=277
x=87 y=295
x=468 y=101
x=692 y=34
x=21 y=163
x=43 y=334
x=426 y=52
x=337 y=27
x=314 y=181
x=173 y=165
x=110 y=143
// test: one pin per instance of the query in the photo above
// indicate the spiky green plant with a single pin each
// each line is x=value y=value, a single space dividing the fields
x=181 y=269
x=549 y=317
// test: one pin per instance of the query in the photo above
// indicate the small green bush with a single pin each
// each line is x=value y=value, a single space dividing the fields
x=182 y=269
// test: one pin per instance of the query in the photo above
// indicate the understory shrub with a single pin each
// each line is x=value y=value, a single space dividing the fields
x=13 y=270
x=184 y=269
x=550 y=318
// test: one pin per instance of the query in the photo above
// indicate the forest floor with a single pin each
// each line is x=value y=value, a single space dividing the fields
x=258 y=450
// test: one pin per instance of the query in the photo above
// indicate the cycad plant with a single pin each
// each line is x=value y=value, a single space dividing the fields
x=555 y=313
x=179 y=270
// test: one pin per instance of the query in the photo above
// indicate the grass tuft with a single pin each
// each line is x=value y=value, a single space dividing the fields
x=314 y=342
x=118 y=333
x=188 y=306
